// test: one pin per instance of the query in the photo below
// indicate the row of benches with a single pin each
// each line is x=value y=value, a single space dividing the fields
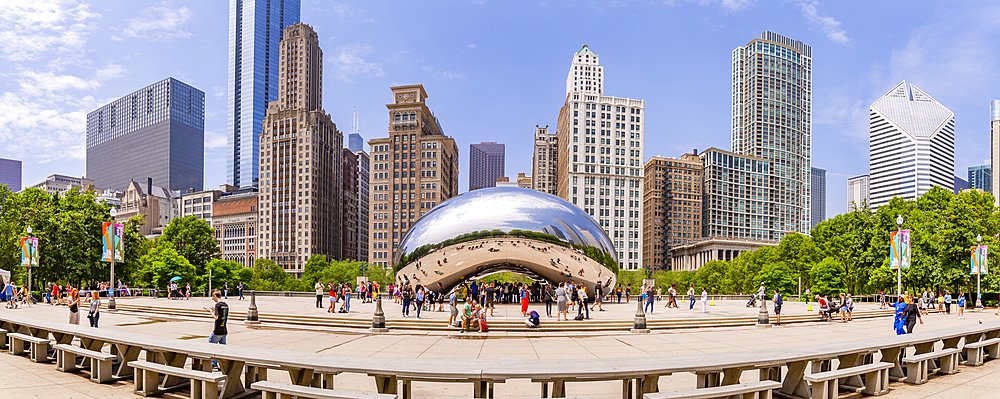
x=312 y=376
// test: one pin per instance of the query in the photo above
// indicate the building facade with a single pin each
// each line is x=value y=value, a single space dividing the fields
x=234 y=219
x=155 y=204
x=349 y=207
x=672 y=203
x=772 y=120
x=912 y=145
x=199 y=204
x=545 y=160
x=818 y=193
x=691 y=257
x=600 y=165
x=412 y=170
x=301 y=160
x=255 y=29
x=57 y=184
x=995 y=149
x=738 y=193
x=364 y=203
x=522 y=181
x=486 y=164
x=857 y=192
x=10 y=174
x=156 y=132
x=981 y=177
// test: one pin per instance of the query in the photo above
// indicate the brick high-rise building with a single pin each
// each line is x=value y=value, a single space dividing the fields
x=349 y=208
x=545 y=160
x=600 y=156
x=412 y=170
x=486 y=164
x=671 y=207
x=301 y=160
x=364 y=204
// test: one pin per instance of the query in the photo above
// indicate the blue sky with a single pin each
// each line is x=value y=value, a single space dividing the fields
x=495 y=69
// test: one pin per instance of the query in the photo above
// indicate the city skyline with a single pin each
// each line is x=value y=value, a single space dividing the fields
x=189 y=41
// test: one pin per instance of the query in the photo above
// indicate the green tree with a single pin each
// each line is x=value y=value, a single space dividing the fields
x=161 y=264
x=226 y=271
x=194 y=239
x=776 y=275
x=711 y=276
x=827 y=277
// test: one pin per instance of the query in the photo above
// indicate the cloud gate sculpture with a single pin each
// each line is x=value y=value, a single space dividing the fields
x=505 y=229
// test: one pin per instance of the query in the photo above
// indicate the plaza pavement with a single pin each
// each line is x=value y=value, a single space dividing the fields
x=21 y=378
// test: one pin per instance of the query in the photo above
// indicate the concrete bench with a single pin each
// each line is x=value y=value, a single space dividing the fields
x=39 y=351
x=204 y=385
x=751 y=390
x=274 y=390
x=919 y=366
x=100 y=362
x=975 y=352
x=826 y=385
x=3 y=339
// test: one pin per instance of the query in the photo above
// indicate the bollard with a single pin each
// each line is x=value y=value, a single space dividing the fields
x=810 y=309
x=252 y=310
x=378 y=322
x=713 y=303
x=762 y=321
x=639 y=325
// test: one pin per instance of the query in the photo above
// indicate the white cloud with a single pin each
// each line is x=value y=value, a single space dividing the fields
x=348 y=62
x=159 y=22
x=824 y=24
x=35 y=28
x=438 y=73
x=346 y=12
x=215 y=138
x=472 y=46
x=728 y=5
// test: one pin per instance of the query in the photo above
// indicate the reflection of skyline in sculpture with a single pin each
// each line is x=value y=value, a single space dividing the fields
x=512 y=215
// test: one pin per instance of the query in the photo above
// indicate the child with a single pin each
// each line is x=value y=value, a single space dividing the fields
x=961 y=305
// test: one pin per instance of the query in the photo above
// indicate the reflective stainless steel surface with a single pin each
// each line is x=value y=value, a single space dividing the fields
x=505 y=229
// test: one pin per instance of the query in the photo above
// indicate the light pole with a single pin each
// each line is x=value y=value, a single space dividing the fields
x=31 y=258
x=899 y=264
x=114 y=245
x=979 y=289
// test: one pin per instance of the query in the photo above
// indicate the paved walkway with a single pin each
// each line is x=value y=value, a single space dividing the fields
x=20 y=378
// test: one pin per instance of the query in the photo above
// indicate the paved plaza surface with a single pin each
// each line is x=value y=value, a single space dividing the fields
x=21 y=378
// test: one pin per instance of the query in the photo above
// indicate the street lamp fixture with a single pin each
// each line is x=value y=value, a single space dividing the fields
x=979 y=288
x=111 y=284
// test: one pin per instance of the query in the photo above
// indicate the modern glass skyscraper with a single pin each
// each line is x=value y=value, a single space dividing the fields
x=156 y=132
x=818 y=191
x=912 y=145
x=10 y=174
x=255 y=28
x=981 y=177
x=772 y=120
x=486 y=164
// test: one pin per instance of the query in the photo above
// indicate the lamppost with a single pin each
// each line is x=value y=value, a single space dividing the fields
x=114 y=246
x=979 y=289
x=899 y=264
x=31 y=258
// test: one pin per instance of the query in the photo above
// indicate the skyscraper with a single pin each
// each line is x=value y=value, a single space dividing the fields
x=351 y=202
x=364 y=163
x=600 y=165
x=981 y=177
x=857 y=192
x=995 y=148
x=255 y=28
x=772 y=120
x=818 y=205
x=671 y=207
x=544 y=160
x=412 y=170
x=301 y=161
x=355 y=142
x=912 y=145
x=156 y=132
x=738 y=191
x=486 y=164
x=10 y=174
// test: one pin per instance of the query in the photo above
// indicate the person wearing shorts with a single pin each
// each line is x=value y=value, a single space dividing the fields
x=453 y=303
x=778 y=301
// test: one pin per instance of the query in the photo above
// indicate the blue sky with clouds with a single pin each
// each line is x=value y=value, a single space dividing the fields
x=495 y=69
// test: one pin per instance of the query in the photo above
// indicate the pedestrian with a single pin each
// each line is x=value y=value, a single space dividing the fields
x=618 y=291
x=947 y=302
x=225 y=291
x=332 y=291
x=220 y=312
x=850 y=307
x=561 y=303
x=467 y=314
x=319 y=294
x=628 y=293
x=598 y=297
x=961 y=305
x=691 y=297
x=912 y=315
x=95 y=309
x=778 y=301
x=547 y=298
x=346 y=307
x=453 y=307
x=582 y=295
x=704 y=300
x=899 y=323
x=420 y=299
x=187 y=291
x=523 y=292
x=659 y=292
x=671 y=296
x=239 y=289
x=843 y=307
x=74 y=307
x=440 y=296
x=55 y=294
x=881 y=301
x=761 y=293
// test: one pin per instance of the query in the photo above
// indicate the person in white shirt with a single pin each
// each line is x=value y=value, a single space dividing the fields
x=704 y=300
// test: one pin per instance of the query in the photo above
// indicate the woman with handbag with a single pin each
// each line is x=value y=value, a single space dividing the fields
x=74 y=307
x=95 y=309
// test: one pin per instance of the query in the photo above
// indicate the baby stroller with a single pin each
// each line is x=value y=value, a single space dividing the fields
x=829 y=311
x=753 y=301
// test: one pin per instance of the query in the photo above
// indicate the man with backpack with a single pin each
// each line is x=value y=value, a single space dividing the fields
x=778 y=301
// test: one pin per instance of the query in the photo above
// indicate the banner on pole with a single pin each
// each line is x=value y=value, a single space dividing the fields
x=979 y=260
x=112 y=234
x=29 y=251
x=899 y=253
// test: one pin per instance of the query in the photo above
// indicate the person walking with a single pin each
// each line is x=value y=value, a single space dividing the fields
x=947 y=302
x=547 y=298
x=346 y=308
x=239 y=289
x=761 y=294
x=332 y=291
x=440 y=296
x=704 y=300
x=778 y=301
x=406 y=295
x=319 y=294
x=74 y=307
x=95 y=309
x=961 y=305
x=912 y=315
x=618 y=292
x=671 y=297
x=420 y=299
x=453 y=307
x=598 y=297
x=691 y=297
x=524 y=300
x=628 y=293
x=899 y=322
x=220 y=313
x=225 y=291
x=561 y=303
x=648 y=297
x=581 y=291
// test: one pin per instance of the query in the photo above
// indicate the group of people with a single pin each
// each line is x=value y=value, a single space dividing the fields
x=338 y=293
x=828 y=308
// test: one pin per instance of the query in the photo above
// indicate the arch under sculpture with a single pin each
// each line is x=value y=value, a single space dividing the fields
x=505 y=229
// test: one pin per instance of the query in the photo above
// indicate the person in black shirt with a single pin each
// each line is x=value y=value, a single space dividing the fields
x=911 y=314
x=220 y=312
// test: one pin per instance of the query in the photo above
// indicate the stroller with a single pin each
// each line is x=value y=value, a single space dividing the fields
x=830 y=312
x=753 y=301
